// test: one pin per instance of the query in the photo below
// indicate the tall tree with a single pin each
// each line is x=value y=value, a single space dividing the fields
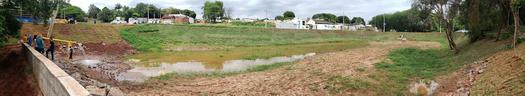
x=141 y=9
x=515 y=6
x=93 y=11
x=279 y=18
x=358 y=21
x=9 y=25
x=474 y=20
x=213 y=10
x=343 y=19
x=189 y=13
x=325 y=16
x=288 y=15
x=74 y=12
x=446 y=11
x=105 y=15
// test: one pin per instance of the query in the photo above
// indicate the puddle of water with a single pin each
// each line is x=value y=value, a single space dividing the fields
x=215 y=58
x=89 y=63
x=140 y=74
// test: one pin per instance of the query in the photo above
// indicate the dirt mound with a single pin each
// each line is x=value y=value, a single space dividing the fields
x=114 y=49
x=16 y=77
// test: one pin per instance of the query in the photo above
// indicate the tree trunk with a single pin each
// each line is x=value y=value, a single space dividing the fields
x=450 y=37
x=516 y=16
x=499 y=32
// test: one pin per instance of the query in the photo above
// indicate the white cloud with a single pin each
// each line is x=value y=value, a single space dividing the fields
x=258 y=8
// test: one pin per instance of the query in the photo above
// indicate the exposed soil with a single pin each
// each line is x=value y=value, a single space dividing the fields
x=500 y=74
x=16 y=77
x=306 y=77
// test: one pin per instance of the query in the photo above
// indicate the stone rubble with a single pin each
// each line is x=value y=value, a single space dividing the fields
x=465 y=84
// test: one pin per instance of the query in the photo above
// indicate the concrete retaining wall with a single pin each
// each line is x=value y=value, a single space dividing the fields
x=52 y=80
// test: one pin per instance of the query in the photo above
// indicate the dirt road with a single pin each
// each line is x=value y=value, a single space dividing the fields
x=305 y=77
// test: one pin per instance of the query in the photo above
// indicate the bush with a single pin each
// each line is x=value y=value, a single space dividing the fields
x=9 y=26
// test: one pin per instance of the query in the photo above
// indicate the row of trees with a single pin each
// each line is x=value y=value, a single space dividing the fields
x=339 y=19
x=406 y=21
x=142 y=10
x=288 y=15
x=481 y=17
x=40 y=10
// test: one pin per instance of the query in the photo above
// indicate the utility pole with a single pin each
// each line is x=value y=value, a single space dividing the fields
x=343 y=28
x=384 y=23
x=147 y=11
x=266 y=15
x=53 y=16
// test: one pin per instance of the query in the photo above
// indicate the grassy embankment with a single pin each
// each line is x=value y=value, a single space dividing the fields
x=216 y=43
x=409 y=64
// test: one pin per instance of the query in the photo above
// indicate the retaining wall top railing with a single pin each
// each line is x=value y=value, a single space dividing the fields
x=52 y=80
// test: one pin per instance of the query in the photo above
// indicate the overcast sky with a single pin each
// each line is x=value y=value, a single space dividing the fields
x=259 y=8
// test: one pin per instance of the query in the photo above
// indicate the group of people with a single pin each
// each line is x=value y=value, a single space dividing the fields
x=39 y=43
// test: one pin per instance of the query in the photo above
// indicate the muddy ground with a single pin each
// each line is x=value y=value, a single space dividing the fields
x=305 y=77
x=16 y=77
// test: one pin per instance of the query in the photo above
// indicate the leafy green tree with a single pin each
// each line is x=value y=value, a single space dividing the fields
x=343 y=19
x=93 y=11
x=171 y=10
x=358 y=21
x=326 y=16
x=406 y=21
x=127 y=12
x=186 y=12
x=75 y=12
x=9 y=25
x=190 y=13
x=141 y=9
x=279 y=18
x=105 y=15
x=213 y=10
x=118 y=6
x=288 y=15
x=446 y=11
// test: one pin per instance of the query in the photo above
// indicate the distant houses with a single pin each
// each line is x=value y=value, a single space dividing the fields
x=313 y=24
x=177 y=19
x=167 y=19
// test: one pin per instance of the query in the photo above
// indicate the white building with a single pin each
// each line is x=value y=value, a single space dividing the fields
x=119 y=20
x=137 y=20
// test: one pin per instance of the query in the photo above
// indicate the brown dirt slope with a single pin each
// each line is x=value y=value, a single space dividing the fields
x=504 y=74
x=306 y=77
x=500 y=74
x=85 y=33
x=16 y=78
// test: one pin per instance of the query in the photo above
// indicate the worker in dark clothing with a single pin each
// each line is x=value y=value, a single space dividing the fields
x=29 y=39
x=70 y=48
x=51 y=49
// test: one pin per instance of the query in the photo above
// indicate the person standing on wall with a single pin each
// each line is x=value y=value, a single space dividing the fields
x=51 y=49
x=29 y=39
x=40 y=44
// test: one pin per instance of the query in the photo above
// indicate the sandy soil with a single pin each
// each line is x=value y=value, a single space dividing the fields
x=306 y=77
